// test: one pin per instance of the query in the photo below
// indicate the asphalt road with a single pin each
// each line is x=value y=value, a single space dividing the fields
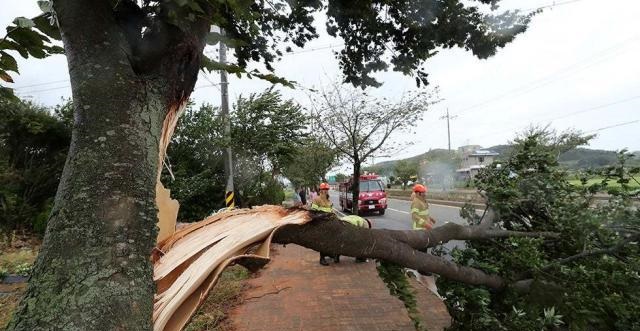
x=398 y=217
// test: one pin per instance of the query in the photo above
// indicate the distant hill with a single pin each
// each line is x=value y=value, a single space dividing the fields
x=386 y=168
x=579 y=158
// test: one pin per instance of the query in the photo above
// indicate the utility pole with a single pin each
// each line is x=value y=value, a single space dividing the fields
x=448 y=117
x=224 y=113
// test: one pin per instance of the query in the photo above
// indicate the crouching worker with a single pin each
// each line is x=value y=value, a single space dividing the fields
x=360 y=222
x=322 y=203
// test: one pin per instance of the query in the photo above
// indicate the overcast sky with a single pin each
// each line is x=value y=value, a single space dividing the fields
x=576 y=67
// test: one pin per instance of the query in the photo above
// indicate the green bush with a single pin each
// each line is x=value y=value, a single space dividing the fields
x=587 y=280
x=33 y=148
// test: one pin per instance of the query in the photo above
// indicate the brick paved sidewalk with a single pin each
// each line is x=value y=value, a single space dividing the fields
x=294 y=292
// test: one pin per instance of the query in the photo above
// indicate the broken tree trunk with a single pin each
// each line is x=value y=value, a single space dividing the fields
x=188 y=263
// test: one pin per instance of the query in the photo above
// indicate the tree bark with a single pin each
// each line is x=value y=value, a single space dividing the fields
x=325 y=234
x=355 y=188
x=93 y=270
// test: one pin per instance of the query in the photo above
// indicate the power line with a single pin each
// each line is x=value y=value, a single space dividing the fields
x=603 y=106
x=613 y=126
x=313 y=49
x=554 y=4
x=568 y=71
x=40 y=84
x=45 y=90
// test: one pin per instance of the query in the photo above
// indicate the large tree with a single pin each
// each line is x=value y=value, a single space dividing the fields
x=360 y=126
x=133 y=66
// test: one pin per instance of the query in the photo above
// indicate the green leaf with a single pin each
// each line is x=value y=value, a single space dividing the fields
x=11 y=45
x=7 y=62
x=46 y=6
x=31 y=40
x=43 y=23
x=24 y=22
x=5 y=76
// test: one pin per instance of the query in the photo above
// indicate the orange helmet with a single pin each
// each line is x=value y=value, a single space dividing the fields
x=419 y=188
x=324 y=186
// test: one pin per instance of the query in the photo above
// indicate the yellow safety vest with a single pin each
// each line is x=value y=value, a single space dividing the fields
x=419 y=213
x=356 y=220
x=322 y=205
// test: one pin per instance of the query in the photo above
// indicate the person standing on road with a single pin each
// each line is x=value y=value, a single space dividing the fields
x=297 y=202
x=422 y=221
x=420 y=209
x=313 y=195
x=322 y=203
x=303 y=195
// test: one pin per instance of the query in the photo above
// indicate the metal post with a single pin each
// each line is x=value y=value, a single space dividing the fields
x=448 y=131
x=448 y=117
x=224 y=113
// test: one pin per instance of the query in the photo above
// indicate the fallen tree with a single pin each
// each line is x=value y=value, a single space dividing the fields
x=530 y=262
x=188 y=263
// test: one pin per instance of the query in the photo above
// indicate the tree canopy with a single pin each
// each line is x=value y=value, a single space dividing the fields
x=378 y=35
x=266 y=132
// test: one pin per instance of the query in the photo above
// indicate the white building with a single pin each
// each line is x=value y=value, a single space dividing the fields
x=473 y=161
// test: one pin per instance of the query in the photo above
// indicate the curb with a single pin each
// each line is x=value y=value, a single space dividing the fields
x=445 y=202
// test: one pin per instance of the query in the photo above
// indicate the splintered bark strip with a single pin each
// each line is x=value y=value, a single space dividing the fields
x=194 y=257
x=167 y=207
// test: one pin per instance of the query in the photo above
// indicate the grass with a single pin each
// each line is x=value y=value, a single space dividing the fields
x=610 y=183
x=225 y=295
x=17 y=261
x=14 y=261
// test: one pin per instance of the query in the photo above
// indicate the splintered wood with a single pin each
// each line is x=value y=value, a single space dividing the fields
x=188 y=263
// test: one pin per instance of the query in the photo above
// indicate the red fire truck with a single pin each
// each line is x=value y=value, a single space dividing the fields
x=372 y=194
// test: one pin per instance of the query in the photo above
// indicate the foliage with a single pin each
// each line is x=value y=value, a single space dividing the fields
x=195 y=154
x=393 y=275
x=268 y=128
x=28 y=37
x=586 y=280
x=413 y=31
x=312 y=161
x=406 y=171
x=195 y=160
x=340 y=177
x=33 y=149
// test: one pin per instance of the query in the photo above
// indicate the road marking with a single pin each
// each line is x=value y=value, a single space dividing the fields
x=399 y=211
x=430 y=204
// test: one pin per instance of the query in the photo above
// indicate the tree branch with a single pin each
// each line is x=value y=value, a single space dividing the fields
x=609 y=250
x=326 y=234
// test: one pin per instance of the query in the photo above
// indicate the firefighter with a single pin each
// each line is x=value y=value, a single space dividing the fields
x=359 y=222
x=420 y=209
x=322 y=203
